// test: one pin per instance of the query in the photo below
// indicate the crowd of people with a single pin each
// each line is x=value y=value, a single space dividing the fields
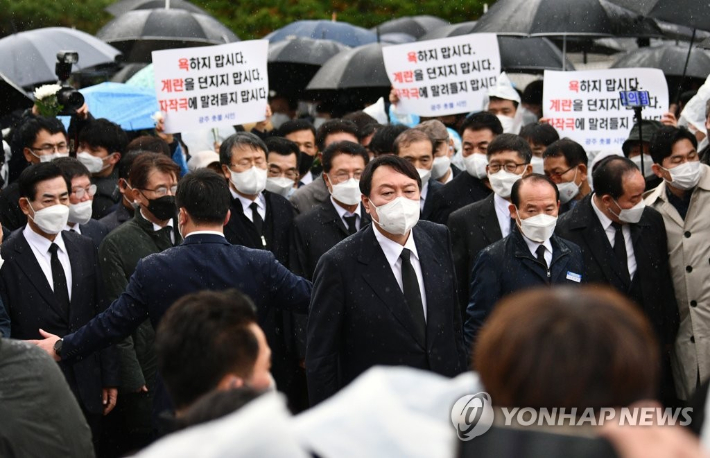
x=481 y=251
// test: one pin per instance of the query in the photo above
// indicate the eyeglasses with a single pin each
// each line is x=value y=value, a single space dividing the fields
x=276 y=171
x=162 y=190
x=510 y=167
x=343 y=176
x=558 y=175
x=49 y=149
x=81 y=192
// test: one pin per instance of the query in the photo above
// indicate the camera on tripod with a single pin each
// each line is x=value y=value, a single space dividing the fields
x=68 y=97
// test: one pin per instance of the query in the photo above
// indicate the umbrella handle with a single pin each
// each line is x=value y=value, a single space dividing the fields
x=685 y=68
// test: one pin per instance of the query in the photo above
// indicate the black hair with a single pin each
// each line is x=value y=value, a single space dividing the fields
x=510 y=142
x=368 y=129
x=410 y=136
x=32 y=125
x=344 y=147
x=34 y=174
x=608 y=176
x=296 y=125
x=205 y=196
x=334 y=126
x=532 y=178
x=217 y=404
x=514 y=102
x=104 y=134
x=360 y=119
x=284 y=147
x=540 y=133
x=572 y=151
x=201 y=338
x=400 y=165
x=239 y=140
x=71 y=168
x=664 y=138
x=481 y=121
x=124 y=167
x=383 y=140
x=532 y=95
x=149 y=143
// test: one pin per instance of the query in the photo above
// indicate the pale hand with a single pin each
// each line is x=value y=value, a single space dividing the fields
x=669 y=119
x=109 y=395
x=262 y=125
x=160 y=130
x=47 y=344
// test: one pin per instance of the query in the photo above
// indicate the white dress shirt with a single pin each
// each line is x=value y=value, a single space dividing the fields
x=611 y=233
x=157 y=227
x=40 y=248
x=393 y=251
x=503 y=213
x=221 y=234
x=306 y=179
x=343 y=213
x=260 y=205
x=422 y=195
x=75 y=228
x=532 y=246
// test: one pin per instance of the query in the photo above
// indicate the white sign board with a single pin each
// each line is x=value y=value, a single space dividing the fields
x=211 y=86
x=585 y=106
x=445 y=76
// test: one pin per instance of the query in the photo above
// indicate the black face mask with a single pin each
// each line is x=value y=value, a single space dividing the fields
x=306 y=163
x=163 y=208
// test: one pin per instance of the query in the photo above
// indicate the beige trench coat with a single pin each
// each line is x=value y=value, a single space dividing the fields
x=689 y=252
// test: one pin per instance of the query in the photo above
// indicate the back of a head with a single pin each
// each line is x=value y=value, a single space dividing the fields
x=572 y=151
x=608 y=176
x=334 y=126
x=149 y=143
x=106 y=134
x=532 y=95
x=383 y=140
x=481 y=121
x=205 y=197
x=665 y=137
x=586 y=347
x=217 y=404
x=540 y=133
x=203 y=337
x=510 y=142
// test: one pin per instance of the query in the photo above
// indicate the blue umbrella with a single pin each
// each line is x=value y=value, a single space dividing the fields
x=128 y=106
x=342 y=32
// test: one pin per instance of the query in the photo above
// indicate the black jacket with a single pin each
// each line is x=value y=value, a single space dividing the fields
x=11 y=215
x=429 y=202
x=461 y=191
x=358 y=316
x=94 y=230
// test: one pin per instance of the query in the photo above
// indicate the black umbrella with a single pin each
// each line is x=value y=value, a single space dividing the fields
x=293 y=63
x=522 y=55
x=138 y=33
x=12 y=97
x=415 y=26
x=127 y=71
x=28 y=58
x=690 y=13
x=669 y=58
x=124 y=6
x=352 y=78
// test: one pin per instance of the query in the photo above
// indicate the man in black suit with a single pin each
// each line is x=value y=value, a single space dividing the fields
x=417 y=147
x=624 y=245
x=477 y=132
x=81 y=196
x=205 y=260
x=478 y=225
x=530 y=256
x=387 y=294
x=259 y=219
x=51 y=281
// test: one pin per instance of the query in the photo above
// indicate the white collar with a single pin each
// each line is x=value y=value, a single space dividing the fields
x=502 y=206
x=605 y=220
x=41 y=243
x=424 y=191
x=260 y=200
x=532 y=245
x=343 y=212
x=307 y=178
x=393 y=250
x=221 y=234
x=76 y=228
x=156 y=227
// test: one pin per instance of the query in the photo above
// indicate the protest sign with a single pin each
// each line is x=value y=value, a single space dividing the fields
x=445 y=76
x=585 y=106
x=211 y=86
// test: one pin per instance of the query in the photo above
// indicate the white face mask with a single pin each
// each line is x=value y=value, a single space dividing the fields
x=569 y=189
x=347 y=192
x=317 y=122
x=476 y=165
x=503 y=181
x=537 y=165
x=50 y=157
x=441 y=165
x=250 y=182
x=51 y=219
x=279 y=185
x=424 y=174
x=647 y=163
x=94 y=164
x=508 y=124
x=685 y=176
x=399 y=216
x=630 y=215
x=277 y=119
x=80 y=213
x=538 y=228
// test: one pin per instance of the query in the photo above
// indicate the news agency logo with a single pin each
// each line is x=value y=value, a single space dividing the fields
x=472 y=415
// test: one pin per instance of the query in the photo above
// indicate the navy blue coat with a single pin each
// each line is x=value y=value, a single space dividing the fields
x=508 y=266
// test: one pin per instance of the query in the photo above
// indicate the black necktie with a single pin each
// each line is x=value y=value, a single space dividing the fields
x=620 y=251
x=350 y=220
x=61 y=292
x=541 y=255
x=256 y=219
x=412 y=295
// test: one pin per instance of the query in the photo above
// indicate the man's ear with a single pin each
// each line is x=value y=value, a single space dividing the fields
x=228 y=217
x=24 y=205
x=230 y=382
x=657 y=170
x=513 y=211
x=226 y=172
x=28 y=154
x=366 y=203
x=528 y=170
x=115 y=157
x=583 y=171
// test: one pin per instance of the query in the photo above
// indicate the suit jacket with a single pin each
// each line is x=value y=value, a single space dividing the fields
x=277 y=227
x=508 y=266
x=202 y=261
x=473 y=228
x=429 y=203
x=310 y=195
x=117 y=217
x=31 y=305
x=359 y=319
x=461 y=191
x=11 y=215
x=94 y=230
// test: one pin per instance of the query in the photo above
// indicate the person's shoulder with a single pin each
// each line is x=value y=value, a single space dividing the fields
x=277 y=200
x=349 y=248
x=434 y=229
x=467 y=210
x=311 y=216
x=78 y=240
x=568 y=244
x=652 y=217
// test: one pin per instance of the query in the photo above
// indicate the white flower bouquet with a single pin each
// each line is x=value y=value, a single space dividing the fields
x=46 y=100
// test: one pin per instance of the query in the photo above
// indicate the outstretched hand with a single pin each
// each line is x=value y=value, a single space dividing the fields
x=47 y=344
